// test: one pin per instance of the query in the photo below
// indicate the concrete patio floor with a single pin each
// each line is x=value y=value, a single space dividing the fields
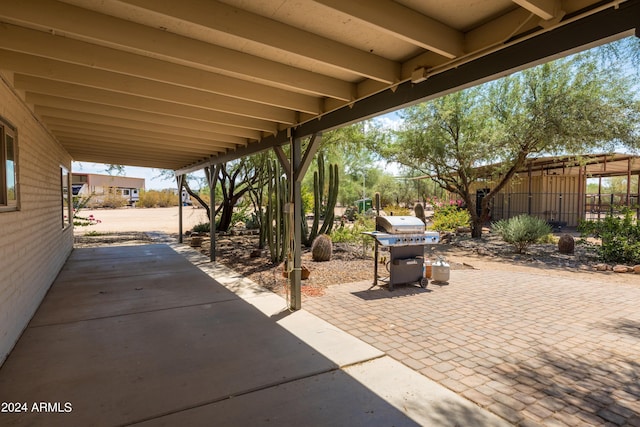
x=154 y=335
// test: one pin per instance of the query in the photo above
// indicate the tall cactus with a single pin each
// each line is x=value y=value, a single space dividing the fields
x=322 y=206
x=418 y=209
x=276 y=232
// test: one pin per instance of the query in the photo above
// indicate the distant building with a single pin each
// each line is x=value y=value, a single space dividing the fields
x=555 y=188
x=86 y=184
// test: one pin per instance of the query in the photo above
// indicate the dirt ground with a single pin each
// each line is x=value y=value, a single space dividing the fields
x=164 y=220
x=129 y=226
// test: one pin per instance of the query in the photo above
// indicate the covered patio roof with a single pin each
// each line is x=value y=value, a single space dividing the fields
x=182 y=85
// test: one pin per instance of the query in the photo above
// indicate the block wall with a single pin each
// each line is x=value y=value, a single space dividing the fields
x=33 y=243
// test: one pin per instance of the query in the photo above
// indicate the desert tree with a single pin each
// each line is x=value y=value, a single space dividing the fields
x=570 y=106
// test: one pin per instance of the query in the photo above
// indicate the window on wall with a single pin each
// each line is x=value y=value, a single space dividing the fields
x=8 y=167
x=66 y=196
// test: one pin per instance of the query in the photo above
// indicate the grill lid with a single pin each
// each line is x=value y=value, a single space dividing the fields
x=399 y=224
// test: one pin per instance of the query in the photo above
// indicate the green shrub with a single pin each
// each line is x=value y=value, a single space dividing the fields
x=352 y=233
x=157 y=199
x=549 y=239
x=620 y=237
x=253 y=222
x=396 y=210
x=203 y=227
x=450 y=218
x=522 y=230
x=241 y=213
x=114 y=200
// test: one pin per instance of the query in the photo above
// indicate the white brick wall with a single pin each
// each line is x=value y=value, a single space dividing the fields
x=33 y=244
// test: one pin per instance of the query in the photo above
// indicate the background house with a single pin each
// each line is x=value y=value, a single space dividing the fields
x=96 y=185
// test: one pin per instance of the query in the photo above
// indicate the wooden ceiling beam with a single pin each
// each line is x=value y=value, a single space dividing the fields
x=148 y=141
x=545 y=9
x=39 y=45
x=214 y=17
x=77 y=80
x=83 y=93
x=138 y=129
x=73 y=109
x=403 y=23
x=104 y=30
x=90 y=128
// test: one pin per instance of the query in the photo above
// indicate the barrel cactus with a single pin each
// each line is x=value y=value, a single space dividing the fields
x=321 y=248
x=566 y=244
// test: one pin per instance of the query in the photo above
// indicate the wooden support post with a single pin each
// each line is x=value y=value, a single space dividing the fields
x=638 y=199
x=582 y=201
x=599 y=196
x=180 y=179
x=212 y=179
x=629 y=182
x=530 y=195
x=295 y=277
x=298 y=168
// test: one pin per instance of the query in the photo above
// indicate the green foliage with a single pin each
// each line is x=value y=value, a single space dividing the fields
x=396 y=210
x=307 y=200
x=549 y=239
x=157 y=199
x=79 y=203
x=569 y=106
x=522 y=231
x=203 y=227
x=241 y=213
x=113 y=200
x=450 y=218
x=352 y=233
x=253 y=222
x=620 y=237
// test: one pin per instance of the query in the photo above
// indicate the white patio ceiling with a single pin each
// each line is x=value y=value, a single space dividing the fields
x=181 y=84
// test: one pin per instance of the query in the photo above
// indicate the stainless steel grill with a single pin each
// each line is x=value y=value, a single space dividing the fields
x=405 y=236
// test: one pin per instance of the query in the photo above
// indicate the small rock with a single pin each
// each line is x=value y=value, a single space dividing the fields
x=636 y=269
x=483 y=251
x=601 y=267
x=620 y=269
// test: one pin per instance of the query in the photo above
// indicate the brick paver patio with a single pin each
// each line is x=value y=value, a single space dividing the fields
x=534 y=349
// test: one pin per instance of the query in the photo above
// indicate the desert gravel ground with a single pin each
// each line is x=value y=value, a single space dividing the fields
x=129 y=225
